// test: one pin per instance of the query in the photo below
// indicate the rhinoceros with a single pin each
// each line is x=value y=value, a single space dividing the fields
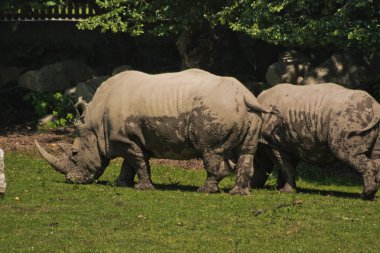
x=184 y=115
x=318 y=124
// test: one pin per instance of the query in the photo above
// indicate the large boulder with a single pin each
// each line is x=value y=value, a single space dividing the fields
x=87 y=89
x=9 y=75
x=348 y=70
x=56 y=77
x=291 y=68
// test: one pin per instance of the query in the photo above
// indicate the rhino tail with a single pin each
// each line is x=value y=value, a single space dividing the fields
x=374 y=122
x=252 y=103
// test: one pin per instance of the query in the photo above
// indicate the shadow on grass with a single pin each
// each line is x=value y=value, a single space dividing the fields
x=347 y=195
x=193 y=188
x=333 y=174
x=163 y=187
x=176 y=187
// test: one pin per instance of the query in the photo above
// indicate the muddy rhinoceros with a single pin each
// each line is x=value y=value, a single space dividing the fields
x=184 y=115
x=318 y=124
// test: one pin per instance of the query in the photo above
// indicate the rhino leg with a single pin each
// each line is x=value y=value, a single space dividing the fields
x=263 y=166
x=354 y=151
x=127 y=175
x=142 y=168
x=244 y=172
x=217 y=169
x=286 y=176
x=368 y=168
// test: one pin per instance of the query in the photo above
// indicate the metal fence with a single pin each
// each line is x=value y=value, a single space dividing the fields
x=70 y=10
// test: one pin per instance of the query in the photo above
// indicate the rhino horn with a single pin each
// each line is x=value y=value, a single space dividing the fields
x=57 y=163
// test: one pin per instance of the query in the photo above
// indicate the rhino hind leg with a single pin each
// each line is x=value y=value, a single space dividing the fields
x=244 y=173
x=368 y=168
x=217 y=169
x=353 y=151
x=127 y=175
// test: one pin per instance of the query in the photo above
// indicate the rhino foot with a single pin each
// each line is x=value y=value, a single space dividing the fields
x=369 y=194
x=236 y=190
x=123 y=183
x=144 y=186
x=208 y=189
x=287 y=189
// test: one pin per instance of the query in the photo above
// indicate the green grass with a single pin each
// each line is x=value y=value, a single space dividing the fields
x=52 y=216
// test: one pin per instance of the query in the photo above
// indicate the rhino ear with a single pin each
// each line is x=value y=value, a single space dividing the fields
x=81 y=108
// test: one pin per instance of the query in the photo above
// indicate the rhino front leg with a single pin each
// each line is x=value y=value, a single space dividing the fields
x=244 y=173
x=142 y=168
x=127 y=175
x=216 y=169
x=263 y=166
x=286 y=176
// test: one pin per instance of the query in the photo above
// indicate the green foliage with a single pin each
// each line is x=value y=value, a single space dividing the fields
x=50 y=215
x=27 y=4
x=345 y=25
x=340 y=24
x=156 y=17
x=58 y=104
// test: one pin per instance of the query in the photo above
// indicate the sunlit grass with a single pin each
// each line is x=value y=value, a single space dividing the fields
x=42 y=213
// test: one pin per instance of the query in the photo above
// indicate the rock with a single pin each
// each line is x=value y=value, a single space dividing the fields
x=121 y=68
x=291 y=68
x=56 y=77
x=347 y=70
x=87 y=89
x=46 y=119
x=9 y=74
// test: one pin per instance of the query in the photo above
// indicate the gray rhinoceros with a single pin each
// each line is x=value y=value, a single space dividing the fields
x=318 y=124
x=184 y=115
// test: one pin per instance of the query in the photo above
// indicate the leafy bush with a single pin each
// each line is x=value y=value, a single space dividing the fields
x=58 y=104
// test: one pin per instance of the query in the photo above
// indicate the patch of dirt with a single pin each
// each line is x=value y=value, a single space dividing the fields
x=20 y=138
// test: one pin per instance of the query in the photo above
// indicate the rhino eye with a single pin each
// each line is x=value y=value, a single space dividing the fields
x=74 y=151
x=73 y=154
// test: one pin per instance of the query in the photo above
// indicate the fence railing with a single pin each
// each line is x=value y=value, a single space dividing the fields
x=70 y=10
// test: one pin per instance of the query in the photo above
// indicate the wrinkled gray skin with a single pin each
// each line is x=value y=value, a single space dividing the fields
x=318 y=124
x=184 y=115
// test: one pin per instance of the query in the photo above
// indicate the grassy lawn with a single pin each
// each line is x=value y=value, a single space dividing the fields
x=41 y=213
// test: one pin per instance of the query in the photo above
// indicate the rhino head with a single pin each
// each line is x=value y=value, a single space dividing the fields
x=84 y=162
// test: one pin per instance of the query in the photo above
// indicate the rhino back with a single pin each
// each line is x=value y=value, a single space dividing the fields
x=166 y=113
x=305 y=109
x=303 y=125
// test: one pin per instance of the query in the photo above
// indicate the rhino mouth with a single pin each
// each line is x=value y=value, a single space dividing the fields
x=78 y=179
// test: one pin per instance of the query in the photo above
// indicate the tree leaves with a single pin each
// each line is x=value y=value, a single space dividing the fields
x=338 y=24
